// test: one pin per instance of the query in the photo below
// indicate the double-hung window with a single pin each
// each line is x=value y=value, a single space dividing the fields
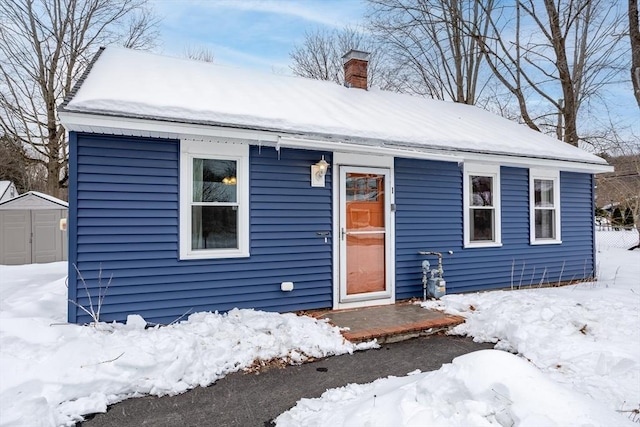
x=544 y=202
x=214 y=200
x=482 y=221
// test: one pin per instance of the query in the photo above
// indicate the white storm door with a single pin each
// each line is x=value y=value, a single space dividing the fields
x=365 y=229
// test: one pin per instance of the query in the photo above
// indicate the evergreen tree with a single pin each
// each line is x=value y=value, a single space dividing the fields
x=628 y=218
x=616 y=218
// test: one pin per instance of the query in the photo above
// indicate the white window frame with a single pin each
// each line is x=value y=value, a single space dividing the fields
x=238 y=152
x=549 y=175
x=475 y=169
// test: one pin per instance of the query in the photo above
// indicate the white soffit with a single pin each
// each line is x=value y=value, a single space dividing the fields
x=82 y=122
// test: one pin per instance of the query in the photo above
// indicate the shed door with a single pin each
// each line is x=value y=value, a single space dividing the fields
x=47 y=241
x=15 y=236
x=365 y=231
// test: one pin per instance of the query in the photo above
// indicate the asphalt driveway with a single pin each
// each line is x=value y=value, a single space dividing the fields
x=250 y=399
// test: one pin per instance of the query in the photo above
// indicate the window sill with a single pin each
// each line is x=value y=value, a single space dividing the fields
x=213 y=255
x=545 y=242
x=472 y=245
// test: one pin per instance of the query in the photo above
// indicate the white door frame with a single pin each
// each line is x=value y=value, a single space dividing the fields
x=340 y=299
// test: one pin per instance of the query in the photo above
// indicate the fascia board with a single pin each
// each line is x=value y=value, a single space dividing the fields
x=97 y=123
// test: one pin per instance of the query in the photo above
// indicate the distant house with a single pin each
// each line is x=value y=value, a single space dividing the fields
x=620 y=187
x=32 y=229
x=7 y=190
x=203 y=187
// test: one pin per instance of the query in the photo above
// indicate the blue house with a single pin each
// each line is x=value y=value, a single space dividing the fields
x=199 y=187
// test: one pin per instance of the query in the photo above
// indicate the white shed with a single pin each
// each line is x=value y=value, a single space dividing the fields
x=31 y=230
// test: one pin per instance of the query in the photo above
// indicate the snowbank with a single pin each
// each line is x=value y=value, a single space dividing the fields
x=579 y=363
x=585 y=336
x=484 y=388
x=53 y=373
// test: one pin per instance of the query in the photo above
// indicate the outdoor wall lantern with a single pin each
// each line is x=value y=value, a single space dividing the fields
x=318 y=172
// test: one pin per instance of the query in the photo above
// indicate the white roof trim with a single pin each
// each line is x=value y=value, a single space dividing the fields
x=33 y=200
x=152 y=128
x=83 y=122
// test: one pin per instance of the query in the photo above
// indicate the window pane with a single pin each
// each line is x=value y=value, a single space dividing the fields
x=543 y=193
x=364 y=187
x=214 y=227
x=481 y=190
x=214 y=180
x=365 y=263
x=482 y=224
x=545 y=224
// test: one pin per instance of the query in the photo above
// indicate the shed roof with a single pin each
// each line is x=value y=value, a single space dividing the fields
x=128 y=83
x=5 y=190
x=33 y=200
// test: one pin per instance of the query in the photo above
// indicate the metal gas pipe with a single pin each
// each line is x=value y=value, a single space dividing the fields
x=434 y=286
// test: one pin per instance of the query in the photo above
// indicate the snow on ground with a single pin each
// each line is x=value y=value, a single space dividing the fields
x=52 y=373
x=483 y=388
x=578 y=357
x=578 y=360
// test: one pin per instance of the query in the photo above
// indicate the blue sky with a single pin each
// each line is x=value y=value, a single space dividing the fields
x=259 y=34
x=248 y=33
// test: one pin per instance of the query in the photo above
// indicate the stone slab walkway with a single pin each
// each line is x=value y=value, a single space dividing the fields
x=389 y=323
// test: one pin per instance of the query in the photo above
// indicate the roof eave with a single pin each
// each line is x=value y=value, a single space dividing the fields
x=118 y=124
x=76 y=87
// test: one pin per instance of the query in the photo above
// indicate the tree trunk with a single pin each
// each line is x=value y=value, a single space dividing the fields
x=634 y=35
x=564 y=75
x=41 y=55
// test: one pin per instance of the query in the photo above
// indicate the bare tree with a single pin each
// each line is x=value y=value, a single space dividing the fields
x=431 y=42
x=141 y=30
x=199 y=53
x=13 y=165
x=560 y=57
x=44 y=46
x=319 y=56
x=16 y=166
x=634 y=36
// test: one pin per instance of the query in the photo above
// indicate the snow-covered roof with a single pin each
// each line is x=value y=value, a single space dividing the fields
x=7 y=190
x=33 y=200
x=128 y=83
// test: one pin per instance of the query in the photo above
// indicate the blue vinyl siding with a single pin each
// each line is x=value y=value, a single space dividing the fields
x=124 y=223
x=429 y=217
x=127 y=227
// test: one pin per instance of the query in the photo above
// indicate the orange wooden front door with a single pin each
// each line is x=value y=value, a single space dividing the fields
x=365 y=233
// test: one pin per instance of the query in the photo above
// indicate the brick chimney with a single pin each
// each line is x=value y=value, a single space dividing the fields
x=355 y=68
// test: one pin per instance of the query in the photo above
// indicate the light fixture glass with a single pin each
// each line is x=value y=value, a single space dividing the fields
x=322 y=166
x=318 y=172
